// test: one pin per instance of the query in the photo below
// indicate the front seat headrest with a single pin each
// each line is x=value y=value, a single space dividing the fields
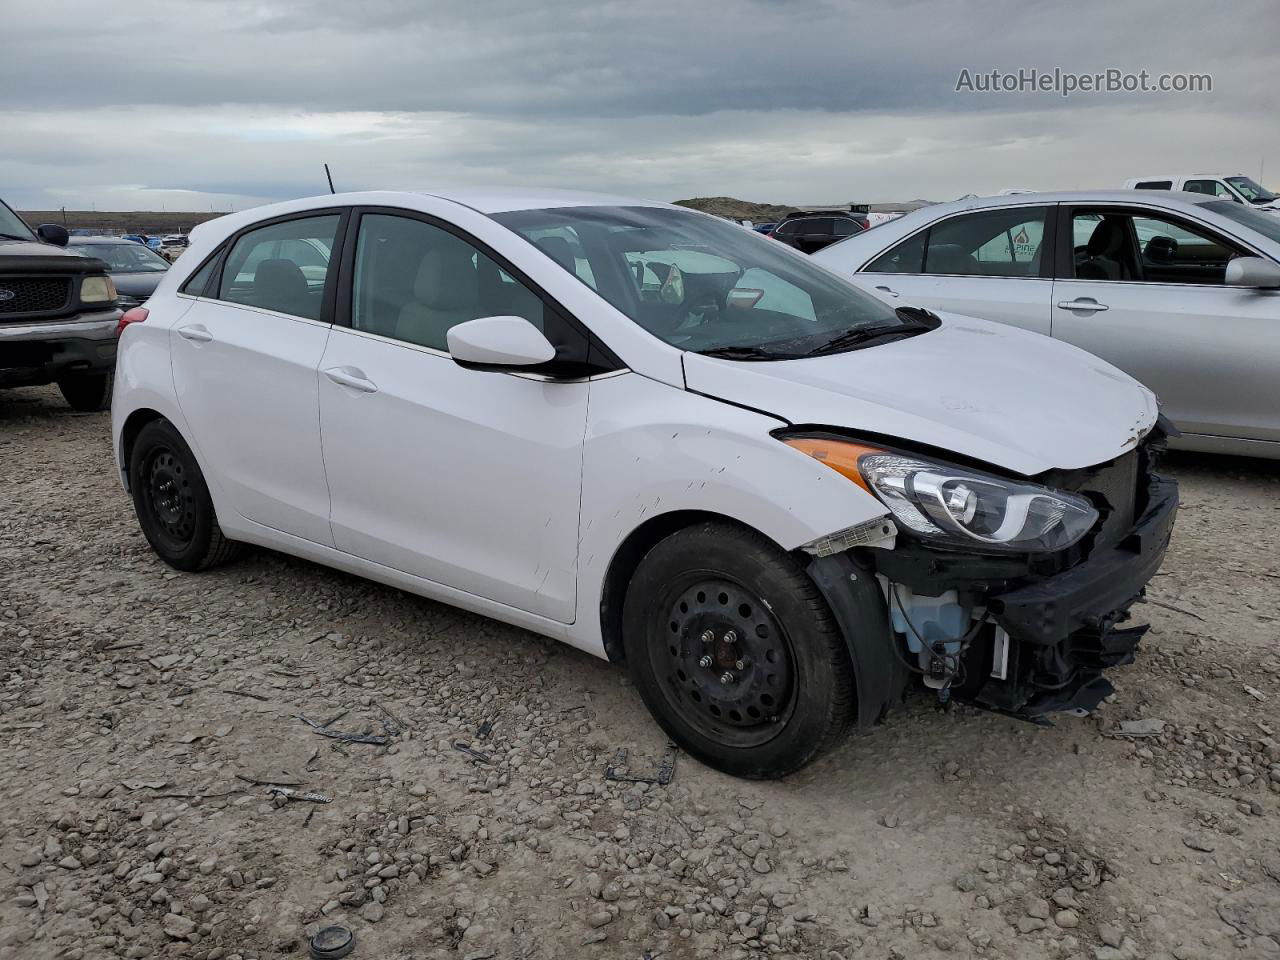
x=447 y=278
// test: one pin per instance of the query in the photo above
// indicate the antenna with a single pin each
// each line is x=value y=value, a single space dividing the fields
x=330 y=176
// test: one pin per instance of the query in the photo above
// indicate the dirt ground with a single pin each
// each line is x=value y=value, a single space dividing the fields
x=145 y=715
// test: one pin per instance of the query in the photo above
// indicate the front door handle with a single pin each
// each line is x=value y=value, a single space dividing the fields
x=1085 y=304
x=196 y=332
x=884 y=289
x=351 y=377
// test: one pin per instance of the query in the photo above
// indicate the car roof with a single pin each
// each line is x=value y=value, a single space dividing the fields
x=1169 y=198
x=1186 y=176
x=886 y=234
x=507 y=199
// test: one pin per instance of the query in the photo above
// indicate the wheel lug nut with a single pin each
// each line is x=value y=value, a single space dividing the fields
x=731 y=637
x=740 y=665
x=708 y=636
x=726 y=678
x=705 y=661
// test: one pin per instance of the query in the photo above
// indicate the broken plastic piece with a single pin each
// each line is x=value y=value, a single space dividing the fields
x=290 y=794
x=665 y=773
x=344 y=737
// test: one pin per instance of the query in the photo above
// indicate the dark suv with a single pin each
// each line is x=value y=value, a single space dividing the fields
x=811 y=232
x=58 y=315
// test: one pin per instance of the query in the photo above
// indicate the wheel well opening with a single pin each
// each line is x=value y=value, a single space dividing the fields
x=627 y=558
x=129 y=434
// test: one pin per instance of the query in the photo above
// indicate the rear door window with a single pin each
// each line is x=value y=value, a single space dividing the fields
x=1154 y=185
x=906 y=257
x=282 y=266
x=990 y=243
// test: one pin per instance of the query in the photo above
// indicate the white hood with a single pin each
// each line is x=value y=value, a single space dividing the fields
x=995 y=393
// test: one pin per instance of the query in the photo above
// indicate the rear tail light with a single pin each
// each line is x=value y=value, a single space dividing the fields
x=136 y=315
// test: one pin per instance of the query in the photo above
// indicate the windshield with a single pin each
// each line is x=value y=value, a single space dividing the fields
x=126 y=257
x=11 y=224
x=700 y=283
x=1250 y=190
x=1267 y=224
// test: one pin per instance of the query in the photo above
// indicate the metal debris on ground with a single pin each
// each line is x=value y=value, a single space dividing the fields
x=324 y=731
x=1137 y=728
x=486 y=728
x=473 y=754
x=275 y=778
x=618 y=770
x=1255 y=693
x=290 y=794
x=393 y=726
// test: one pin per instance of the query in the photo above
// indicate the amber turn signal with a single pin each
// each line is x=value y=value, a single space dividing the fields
x=842 y=456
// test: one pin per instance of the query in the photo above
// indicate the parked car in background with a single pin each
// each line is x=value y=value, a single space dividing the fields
x=1234 y=186
x=58 y=316
x=135 y=238
x=765 y=228
x=782 y=496
x=1181 y=291
x=811 y=232
x=152 y=242
x=172 y=247
x=134 y=269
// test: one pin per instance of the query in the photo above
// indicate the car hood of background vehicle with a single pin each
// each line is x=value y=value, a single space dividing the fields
x=1011 y=398
x=31 y=257
x=138 y=284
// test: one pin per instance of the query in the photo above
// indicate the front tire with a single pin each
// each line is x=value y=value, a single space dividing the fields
x=735 y=652
x=172 y=501
x=87 y=392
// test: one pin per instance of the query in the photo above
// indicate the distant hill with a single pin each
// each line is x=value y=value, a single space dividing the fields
x=766 y=212
x=109 y=222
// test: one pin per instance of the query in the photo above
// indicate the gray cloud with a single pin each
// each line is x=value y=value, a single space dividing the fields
x=244 y=100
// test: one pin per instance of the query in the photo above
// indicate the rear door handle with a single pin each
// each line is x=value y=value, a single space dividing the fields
x=884 y=289
x=351 y=377
x=1086 y=304
x=196 y=332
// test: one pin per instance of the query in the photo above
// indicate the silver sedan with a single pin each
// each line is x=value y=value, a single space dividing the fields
x=1180 y=290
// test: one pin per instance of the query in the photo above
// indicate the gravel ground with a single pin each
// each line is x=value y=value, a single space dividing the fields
x=147 y=713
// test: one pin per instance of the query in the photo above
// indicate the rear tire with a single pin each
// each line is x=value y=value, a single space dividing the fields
x=172 y=501
x=735 y=652
x=87 y=392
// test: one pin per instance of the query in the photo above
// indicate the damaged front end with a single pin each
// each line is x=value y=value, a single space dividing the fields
x=1023 y=633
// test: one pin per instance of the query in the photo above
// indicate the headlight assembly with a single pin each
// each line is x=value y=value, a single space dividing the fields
x=97 y=290
x=957 y=505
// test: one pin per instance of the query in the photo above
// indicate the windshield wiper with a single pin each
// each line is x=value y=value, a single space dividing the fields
x=744 y=353
x=913 y=321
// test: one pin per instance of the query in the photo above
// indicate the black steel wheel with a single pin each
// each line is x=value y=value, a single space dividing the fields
x=735 y=652
x=728 y=668
x=172 y=501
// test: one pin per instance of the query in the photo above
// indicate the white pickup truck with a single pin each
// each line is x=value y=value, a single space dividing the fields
x=1234 y=186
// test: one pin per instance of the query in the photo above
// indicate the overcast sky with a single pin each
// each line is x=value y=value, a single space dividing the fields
x=195 y=104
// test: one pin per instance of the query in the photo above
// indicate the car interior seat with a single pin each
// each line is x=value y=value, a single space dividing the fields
x=445 y=293
x=1107 y=255
x=949 y=258
x=280 y=285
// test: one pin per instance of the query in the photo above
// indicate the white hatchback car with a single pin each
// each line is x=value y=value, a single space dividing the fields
x=659 y=437
x=1180 y=290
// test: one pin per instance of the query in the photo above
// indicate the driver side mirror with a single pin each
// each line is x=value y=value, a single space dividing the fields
x=498 y=343
x=53 y=233
x=1255 y=272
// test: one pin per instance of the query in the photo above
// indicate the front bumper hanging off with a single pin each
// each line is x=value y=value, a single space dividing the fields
x=1054 y=631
